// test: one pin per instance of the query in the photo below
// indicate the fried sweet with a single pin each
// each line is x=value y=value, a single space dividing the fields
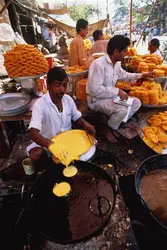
x=25 y=60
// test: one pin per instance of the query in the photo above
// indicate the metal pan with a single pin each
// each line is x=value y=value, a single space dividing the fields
x=154 y=106
x=13 y=104
x=81 y=214
x=156 y=162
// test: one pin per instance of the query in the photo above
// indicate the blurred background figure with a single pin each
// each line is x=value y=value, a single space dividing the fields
x=144 y=38
x=100 y=45
x=153 y=47
x=150 y=36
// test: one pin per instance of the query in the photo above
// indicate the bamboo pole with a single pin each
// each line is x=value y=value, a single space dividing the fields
x=5 y=7
x=131 y=2
x=146 y=23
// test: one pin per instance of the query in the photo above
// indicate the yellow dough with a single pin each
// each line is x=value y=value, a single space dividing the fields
x=69 y=145
x=70 y=171
x=61 y=189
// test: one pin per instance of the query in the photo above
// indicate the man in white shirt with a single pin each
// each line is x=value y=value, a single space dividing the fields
x=104 y=73
x=52 y=114
x=153 y=47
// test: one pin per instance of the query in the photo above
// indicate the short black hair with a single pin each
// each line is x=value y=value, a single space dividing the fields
x=96 y=34
x=118 y=42
x=81 y=24
x=56 y=73
x=155 y=42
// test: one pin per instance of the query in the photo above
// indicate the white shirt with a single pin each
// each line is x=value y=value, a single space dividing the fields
x=48 y=120
x=103 y=76
x=157 y=52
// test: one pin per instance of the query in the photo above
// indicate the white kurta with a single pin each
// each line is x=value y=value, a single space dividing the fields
x=49 y=121
x=101 y=90
x=157 y=53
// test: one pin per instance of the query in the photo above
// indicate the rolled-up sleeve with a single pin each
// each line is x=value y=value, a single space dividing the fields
x=37 y=115
x=95 y=83
x=128 y=77
x=75 y=113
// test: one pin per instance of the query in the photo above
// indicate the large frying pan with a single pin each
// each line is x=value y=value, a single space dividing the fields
x=156 y=162
x=75 y=217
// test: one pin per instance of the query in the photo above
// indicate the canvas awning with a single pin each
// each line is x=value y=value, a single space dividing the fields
x=71 y=31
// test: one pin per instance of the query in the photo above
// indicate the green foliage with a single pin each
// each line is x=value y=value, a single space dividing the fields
x=121 y=12
x=82 y=11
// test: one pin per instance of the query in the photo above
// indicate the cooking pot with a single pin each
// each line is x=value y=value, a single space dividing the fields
x=79 y=215
x=155 y=162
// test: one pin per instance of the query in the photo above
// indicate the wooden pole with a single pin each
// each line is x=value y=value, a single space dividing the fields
x=5 y=7
x=131 y=24
x=146 y=23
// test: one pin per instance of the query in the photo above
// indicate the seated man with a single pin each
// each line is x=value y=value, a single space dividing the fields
x=100 y=45
x=104 y=72
x=52 y=114
x=153 y=47
x=78 y=54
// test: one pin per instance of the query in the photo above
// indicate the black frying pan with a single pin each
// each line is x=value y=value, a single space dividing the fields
x=81 y=214
x=155 y=162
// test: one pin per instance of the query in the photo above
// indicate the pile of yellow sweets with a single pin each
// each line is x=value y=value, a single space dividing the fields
x=107 y=37
x=151 y=61
x=155 y=134
x=24 y=60
x=131 y=51
x=149 y=92
x=75 y=69
x=123 y=85
x=88 y=44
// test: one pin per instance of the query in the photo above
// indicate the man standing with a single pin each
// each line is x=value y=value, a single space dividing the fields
x=78 y=54
x=103 y=75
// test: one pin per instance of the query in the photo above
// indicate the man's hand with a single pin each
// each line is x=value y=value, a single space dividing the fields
x=123 y=96
x=89 y=128
x=149 y=75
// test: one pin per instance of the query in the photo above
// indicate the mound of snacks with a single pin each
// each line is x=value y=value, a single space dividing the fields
x=88 y=44
x=154 y=135
x=75 y=69
x=131 y=51
x=123 y=85
x=107 y=37
x=141 y=63
x=149 y=92
x=24 y=60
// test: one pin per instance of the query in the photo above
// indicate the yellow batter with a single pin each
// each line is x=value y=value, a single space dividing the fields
x=61 y=189
x=70 y=171
x=69 y=145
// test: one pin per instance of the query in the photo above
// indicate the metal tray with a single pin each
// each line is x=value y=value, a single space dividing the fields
x=143 y=122
x=154 y=106
x=28 y=77
x=13 y=104
x=78 y=74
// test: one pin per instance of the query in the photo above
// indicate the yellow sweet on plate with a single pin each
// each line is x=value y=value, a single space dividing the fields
x=70 y=171
x=70 y=145
x=61 y=189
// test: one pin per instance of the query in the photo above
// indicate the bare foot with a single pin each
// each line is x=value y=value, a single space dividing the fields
x=108 y=132
x=115 y=133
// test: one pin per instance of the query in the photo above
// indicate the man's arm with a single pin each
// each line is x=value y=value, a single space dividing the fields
x=132 y=77
x=39 y=139
x=86 y=125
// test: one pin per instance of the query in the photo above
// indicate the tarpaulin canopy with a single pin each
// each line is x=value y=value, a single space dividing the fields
x=61 y=11
x=71 y=31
